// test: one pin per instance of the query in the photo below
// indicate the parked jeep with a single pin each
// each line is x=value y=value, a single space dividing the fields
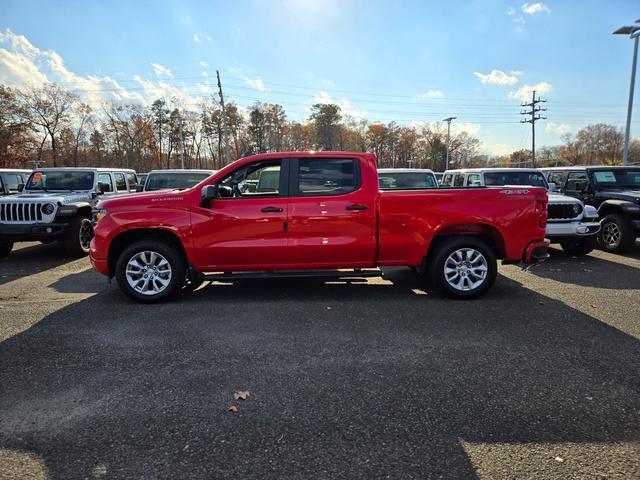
x=406 y=178
x=614 y=191
x=570 y=223
x=11 y=179
x=56 y=204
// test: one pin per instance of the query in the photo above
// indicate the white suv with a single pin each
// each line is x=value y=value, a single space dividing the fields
x=570 y=223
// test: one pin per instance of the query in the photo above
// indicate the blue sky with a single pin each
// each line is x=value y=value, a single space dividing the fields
x=383 y=60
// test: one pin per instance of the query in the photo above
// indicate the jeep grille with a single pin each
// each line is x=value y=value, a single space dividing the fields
x=559 y=211
x=22 y=212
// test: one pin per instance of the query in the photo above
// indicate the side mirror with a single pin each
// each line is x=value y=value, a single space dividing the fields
x=207 y=194
x=139 y=188
x=20 y=187
x=552 y=187
x=102 y=188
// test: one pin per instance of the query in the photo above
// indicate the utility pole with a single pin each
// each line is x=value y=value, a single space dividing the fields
x=448 y=120
x=224 y=122
x=534 y=116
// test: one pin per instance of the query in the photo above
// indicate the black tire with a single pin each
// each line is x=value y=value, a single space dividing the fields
x=616 y=233
x=580 y=246
x=75 y=238
x=5 y=249
x=175 y=259
x=438 y=258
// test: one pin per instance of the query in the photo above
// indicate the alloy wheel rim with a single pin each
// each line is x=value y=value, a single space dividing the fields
x=148 y=273
x=86 y=234
x=610 y=233
x=465 y=269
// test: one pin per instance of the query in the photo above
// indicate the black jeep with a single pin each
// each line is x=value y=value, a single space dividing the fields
x=614 y=191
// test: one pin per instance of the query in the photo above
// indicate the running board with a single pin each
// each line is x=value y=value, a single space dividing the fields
x=351 y=273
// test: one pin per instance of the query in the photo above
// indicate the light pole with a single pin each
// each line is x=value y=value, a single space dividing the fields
x=634 y=32
x=448 y=120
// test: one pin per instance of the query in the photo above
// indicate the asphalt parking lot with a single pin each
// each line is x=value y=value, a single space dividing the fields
x=363 y=379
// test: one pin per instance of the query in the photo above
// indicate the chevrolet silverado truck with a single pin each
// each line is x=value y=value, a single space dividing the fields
x=322 y=213
x=569 y=222
x=56 y=204
x=614 y=191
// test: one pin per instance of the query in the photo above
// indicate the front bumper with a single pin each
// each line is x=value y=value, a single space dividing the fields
x=572 y=229
x=536 y=252
x=31 y=232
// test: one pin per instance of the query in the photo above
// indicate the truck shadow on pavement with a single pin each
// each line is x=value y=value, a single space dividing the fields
x=588 y=271
x=32 y=259
x=350 y=381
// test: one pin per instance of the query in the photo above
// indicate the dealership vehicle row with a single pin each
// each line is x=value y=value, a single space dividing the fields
x=309 y=213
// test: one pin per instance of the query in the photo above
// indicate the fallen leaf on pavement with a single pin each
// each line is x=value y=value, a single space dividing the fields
x=241 y=395
x=233 y=409
x=559 y=459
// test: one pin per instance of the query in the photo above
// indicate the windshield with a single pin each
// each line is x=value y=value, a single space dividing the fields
x=60 y=180
x=402 y=180
x=173 y=180
x=618 y=177
x=534 y=179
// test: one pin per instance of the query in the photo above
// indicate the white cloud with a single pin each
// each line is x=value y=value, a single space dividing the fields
x=557 y=128
x=524 y=93
x=470 y=128
x=533 y=8
x=196 y=38
x=161 y=70
x=498 y=77
x=203 y=64
x=209 y=39
x=204 y=74
x=16 y=69
x=511 y=11
x=433 y=94
x=258 y=84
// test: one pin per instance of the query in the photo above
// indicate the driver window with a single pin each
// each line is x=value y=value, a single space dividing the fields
x=106 y=178
x=577 y=181
x=260 y=179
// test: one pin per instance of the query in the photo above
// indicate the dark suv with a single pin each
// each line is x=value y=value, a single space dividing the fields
x=614 y=191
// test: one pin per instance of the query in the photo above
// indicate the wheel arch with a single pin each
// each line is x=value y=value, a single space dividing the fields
x=490 y=234
x=126 y=238
x=611 y=206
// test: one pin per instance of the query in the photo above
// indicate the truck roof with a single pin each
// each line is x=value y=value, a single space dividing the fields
x=83 y=169
x=492 y=169
x=404 y=170
x=590 y=167
x=181 y=170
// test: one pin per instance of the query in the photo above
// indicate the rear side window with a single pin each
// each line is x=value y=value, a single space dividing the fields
x=447 y=180
x=577 y=181
x=473 y=180
x=12 y=182
x=459 y=181
x=106 y=179
x=132 y=180
x=558 y=178
x=327 y=176
x=121 y=184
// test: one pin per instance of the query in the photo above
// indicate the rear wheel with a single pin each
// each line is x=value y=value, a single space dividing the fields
x=616 y=233
x=78 y=237
x=579 y=246
x=463 y=267
x=150 y=271
x=5 y=249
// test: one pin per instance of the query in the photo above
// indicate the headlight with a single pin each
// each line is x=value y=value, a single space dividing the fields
x=48 y=208
x=590 y=211
x=577 y=209
x=99 y=214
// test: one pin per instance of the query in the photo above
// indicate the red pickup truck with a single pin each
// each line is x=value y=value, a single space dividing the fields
x=298 y=212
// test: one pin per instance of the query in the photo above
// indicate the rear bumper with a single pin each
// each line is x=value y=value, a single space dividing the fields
x=536 y=252
x=31 y=232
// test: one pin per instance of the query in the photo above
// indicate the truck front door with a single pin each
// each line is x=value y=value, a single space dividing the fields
x=332 y=214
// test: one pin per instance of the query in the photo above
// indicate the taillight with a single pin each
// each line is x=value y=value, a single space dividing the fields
x=541 y=203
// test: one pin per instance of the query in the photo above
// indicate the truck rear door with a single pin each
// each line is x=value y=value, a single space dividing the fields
x=332 y=214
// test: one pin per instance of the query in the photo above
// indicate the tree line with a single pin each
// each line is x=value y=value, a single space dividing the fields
x=50 y=126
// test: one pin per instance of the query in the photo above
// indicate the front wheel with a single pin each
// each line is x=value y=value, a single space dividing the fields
x=463 y=267
x=616 y=234
x=580 y=246
x=77 y=237
x=150 y=271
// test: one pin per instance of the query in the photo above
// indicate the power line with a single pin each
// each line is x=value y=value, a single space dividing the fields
x=534 y=117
